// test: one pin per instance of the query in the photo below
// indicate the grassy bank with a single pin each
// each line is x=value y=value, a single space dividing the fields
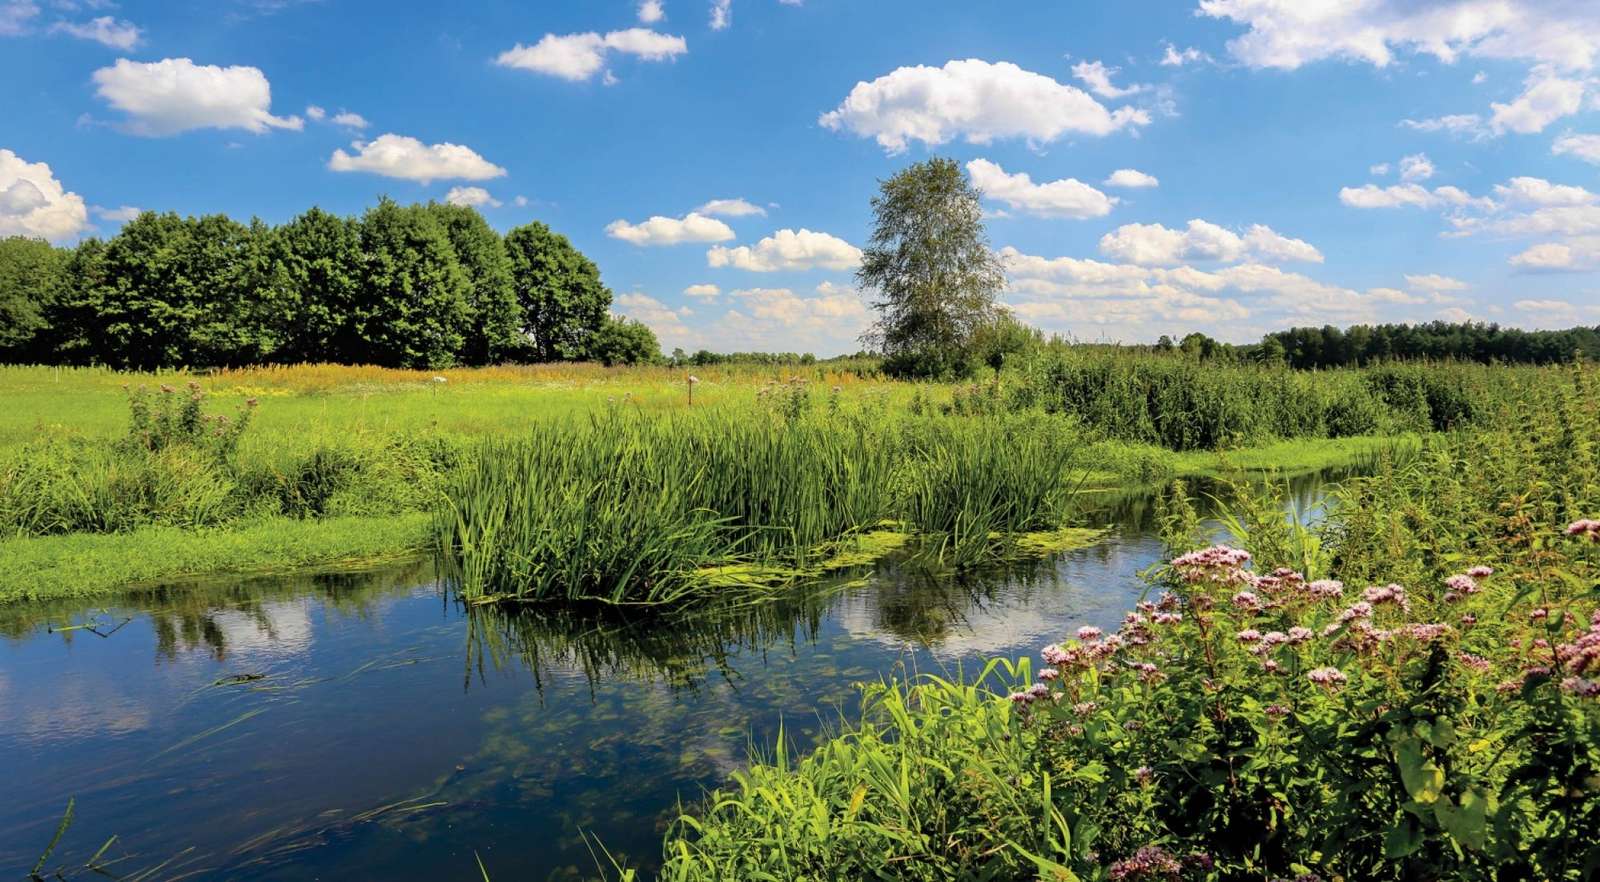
x=89 y=564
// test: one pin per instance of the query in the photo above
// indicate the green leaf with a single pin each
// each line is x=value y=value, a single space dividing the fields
x=1403 y=839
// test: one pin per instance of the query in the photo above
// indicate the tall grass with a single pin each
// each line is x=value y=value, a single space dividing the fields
x=628 y=509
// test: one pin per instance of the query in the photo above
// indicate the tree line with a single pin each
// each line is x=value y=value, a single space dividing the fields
x=413 y=286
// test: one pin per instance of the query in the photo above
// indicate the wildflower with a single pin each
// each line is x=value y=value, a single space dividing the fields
x=1149 y=862
x=1469 y=619
x=440 y=381
x=1049 y=674
x=1143 y=774
x=1475 y=662
x=1167 y=618
x=1539 y=615
x=1481 y=572
x=1273 y=639
x=1330 y=678
x=1249 y=635
x=1299 y=635
x=693 y=379
x=1581 y=687
x=1148 y=672
x=1325 y=588
x=1055 y=655
x=1085 y=708
x=1247 y=600
x=1378 y=595
x=1271 y=666
x=1462 y=585
x=1277 y=711
x=1587 y=528
x=1089 y=633
x=1038 y=691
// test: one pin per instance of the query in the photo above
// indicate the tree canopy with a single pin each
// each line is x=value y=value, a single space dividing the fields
x=420 y=286
x=930 y=265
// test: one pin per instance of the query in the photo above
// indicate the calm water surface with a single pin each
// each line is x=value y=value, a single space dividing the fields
x=368 y=726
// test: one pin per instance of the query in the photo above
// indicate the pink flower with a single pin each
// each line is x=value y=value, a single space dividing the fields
x=1581 y=687
x=1299 y=635
x=1048 y=674
x=1475 y=662
x=1089 y=633
x=1249 y=635
x=1462 y=584
x=1586 y=528
x=1329 y=678
x=1325 y=588
x=1167 y=618
x=1247 y=600
x=1481 y=572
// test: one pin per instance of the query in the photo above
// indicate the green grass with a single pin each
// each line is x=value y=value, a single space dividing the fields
x=87 y=565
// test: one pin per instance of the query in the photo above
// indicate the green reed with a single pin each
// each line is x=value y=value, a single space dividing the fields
x=628 y=509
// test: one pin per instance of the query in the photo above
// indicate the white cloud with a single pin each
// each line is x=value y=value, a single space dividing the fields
x=104 y=30
x=121 y=214
x=1538 y=191
x=721 y=14
x=1580 y=254
x=1131 y=178
x=731 y=208
x=1097 y=77
x=1289 y=33
x=975 y=100
x=779 y=319
x=315 y=113
x=33 y=203
x=520 y=201
x=667 y=323
x=788 y=250
x=176 y=95
x=650 y=11
x=703 y=291
x=1379 y=170
x=350 y=120
x=399 y=156
x=1552 y=313
x=579 y=57
x=1175 y=57
x=1068 y=197
x=659 y=230
x=474 y=196
x=1156 y=245
x=1412 y=195
x=1546 y=99
x=1455 y=124
x=1416 y=167
x=1584 y=147
x=15 y=15
x=1434 y=283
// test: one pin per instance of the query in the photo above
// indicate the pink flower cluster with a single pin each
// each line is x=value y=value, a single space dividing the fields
x=1328 y=678
x=1588 y=528
x=1151 y=862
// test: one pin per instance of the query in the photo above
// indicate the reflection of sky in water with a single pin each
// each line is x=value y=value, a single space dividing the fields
x=530 y=730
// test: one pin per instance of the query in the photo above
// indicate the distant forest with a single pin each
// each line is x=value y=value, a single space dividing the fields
x=1329 y=346
x=418 y=286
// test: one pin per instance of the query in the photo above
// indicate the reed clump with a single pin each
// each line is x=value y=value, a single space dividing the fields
x=628 y=509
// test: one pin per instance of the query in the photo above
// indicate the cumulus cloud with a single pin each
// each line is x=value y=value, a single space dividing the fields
x=788 y=250
x=651 y=11
x=1068 y=197
x=105 y=30
x=721 y=14
x=1289 y=33
x=1545 y=99
x=1580 y=254
x=1175 y=57
x=703 y=291
x=579 y=57
x=731 y=208
x=399 y=156
x=1538 y=191
x=119 y=215
x=476 y=197
x=1131 y=178
x=1468 y=124
x=1434 y=283
x=831 y=320
x=660 y=230
x=34 y=204
x=1584 y=147
x=1410 y=195
x=975 y=100
x=1156 y=245
x=349 y=120
x=1097 y=77
x=176 y=95
x=1553 y=313
x=1416 y=167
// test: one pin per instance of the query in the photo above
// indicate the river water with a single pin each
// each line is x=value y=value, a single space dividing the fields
x=369 y=726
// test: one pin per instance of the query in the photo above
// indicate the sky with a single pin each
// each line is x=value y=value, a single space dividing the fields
x=1227 y=166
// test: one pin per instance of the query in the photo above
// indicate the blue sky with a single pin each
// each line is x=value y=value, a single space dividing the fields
x=1281 y=161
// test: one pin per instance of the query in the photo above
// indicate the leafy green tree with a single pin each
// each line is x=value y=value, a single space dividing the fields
x=495 y=332
x=73 y=322
x=226 y=268
x=624 y=341
x=413 y=310
x=32 y=275
x=1002 y=338
x=314 y=275
x=146 y=305
x=930 y=264
x=559 y=291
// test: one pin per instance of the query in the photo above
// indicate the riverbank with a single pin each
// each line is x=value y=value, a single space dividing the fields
x=91 y=565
